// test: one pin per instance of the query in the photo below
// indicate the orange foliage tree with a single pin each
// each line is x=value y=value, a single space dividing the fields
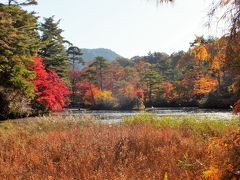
x=87 y=92
x=205 y=85
x=211 y=51
x=168 y=91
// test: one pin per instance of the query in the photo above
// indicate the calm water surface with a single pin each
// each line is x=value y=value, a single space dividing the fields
x=116 y=116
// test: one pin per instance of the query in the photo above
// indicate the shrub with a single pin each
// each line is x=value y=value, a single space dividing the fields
x=13 y=104
x=104 y=100
x=224 y=154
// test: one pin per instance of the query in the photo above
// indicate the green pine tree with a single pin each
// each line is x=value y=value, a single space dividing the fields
x=22 y=3
x=100 y=65
x=75 y=59
x=19 y=43
x=152 y=79
x=52 y=51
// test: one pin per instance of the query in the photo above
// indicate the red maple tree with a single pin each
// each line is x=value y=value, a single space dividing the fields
x=51 y=91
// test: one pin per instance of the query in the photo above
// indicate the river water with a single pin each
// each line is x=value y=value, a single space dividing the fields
x=116 y=116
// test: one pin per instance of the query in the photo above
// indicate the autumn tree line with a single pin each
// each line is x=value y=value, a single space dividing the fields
x=200 y=77
x=41 y=72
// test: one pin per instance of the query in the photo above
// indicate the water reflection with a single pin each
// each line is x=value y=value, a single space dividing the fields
x=116 y=116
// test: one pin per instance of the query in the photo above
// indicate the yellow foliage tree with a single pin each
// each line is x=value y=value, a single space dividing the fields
x=201 y=53
x=103 y=95
x=104 y=99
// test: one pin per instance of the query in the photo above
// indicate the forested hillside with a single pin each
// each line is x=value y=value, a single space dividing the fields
x=90 y=54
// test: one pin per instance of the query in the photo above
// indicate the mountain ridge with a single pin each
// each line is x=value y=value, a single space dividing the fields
x=91 y=54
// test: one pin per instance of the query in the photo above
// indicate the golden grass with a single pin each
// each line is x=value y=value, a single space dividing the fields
x=79 y=148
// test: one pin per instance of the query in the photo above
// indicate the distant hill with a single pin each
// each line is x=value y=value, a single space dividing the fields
x=90 y=54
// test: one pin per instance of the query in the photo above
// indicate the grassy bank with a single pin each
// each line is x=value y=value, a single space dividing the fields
x=142 y=146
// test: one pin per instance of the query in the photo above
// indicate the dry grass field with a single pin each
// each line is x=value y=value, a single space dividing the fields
x=141 y=147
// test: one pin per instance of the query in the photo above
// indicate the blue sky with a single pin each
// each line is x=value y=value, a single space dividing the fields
x=129 y=27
